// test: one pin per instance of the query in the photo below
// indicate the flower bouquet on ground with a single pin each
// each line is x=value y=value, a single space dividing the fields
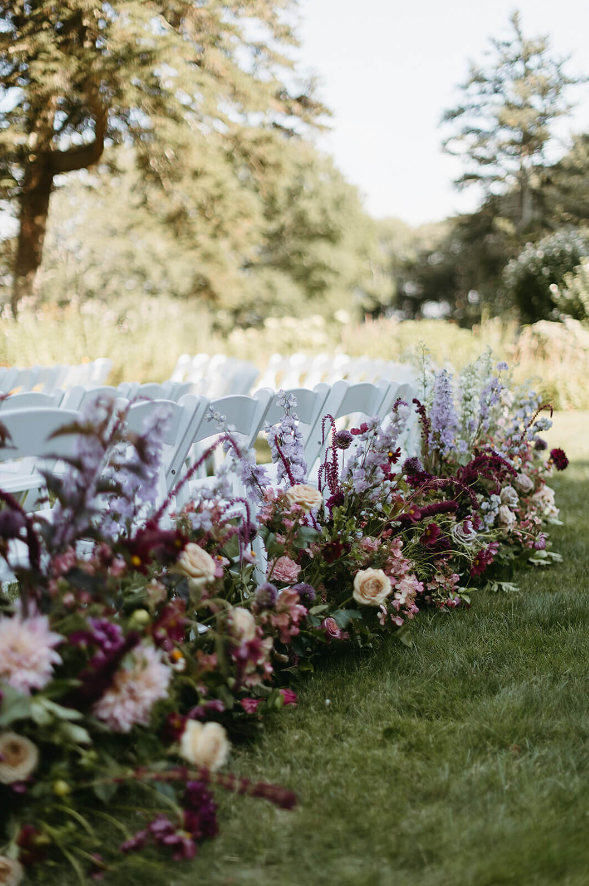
x=95 y=666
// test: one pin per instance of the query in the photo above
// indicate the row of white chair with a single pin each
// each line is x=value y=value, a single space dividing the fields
x=78 y=396
x=215 y=375
x=300 y=370
x=30 y=427
x=49 y=378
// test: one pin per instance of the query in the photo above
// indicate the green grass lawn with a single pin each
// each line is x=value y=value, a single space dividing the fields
x=463 y=761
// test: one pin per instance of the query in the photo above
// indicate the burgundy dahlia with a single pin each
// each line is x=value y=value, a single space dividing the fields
x=559 y=459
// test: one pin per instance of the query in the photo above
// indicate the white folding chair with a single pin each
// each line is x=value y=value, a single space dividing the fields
x=29 y=431
x=79 y=396
x=185 y=419
x=30 y=439
x=32 y=399
x=346 y=401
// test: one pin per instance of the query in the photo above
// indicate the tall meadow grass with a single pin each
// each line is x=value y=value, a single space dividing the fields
x=144 y=339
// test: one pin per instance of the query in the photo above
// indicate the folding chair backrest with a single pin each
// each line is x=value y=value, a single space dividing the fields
x=79 y=396
x=32 y=399
x=246 y=414
x=30 y=431
x=155 y=391
x=345 y=400
x=8 y=379
x=47 y=377
x=24 y=379
x=99 y=370
x=272 y=374
x=185 y=418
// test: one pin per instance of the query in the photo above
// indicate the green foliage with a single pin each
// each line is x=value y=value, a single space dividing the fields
x=507 y=115
x=572 y=298
x=199 y=90
x=534 y=276
x=292 y=240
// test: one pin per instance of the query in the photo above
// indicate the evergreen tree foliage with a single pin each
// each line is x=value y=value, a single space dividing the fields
x=506 y=118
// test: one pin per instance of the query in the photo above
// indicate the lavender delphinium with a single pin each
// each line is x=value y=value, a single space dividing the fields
x=443 y=417
x=241 y=459
x=136 y=470
x=286 y=443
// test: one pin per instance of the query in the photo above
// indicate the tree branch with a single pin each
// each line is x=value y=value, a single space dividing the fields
x=87 y=155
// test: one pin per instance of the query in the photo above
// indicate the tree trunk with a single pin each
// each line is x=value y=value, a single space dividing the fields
x=34 y=209
x=43 y=165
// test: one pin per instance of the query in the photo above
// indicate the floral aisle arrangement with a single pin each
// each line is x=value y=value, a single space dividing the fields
x=93 y=669
x=139 y=647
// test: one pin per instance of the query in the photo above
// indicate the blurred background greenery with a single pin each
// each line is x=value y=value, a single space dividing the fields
x=162 y=192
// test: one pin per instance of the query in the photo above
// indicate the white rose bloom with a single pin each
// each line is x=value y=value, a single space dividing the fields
x=524 y=483
x=371 y=587
x=243 y=624
x=509 y=497
x=307 y=497
x=18 y=758
x=11 y=871
x=205 y=744
x=196 y=564
x=464 y=533
x=506 y=517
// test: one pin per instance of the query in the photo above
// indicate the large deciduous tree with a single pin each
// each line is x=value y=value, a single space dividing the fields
x=503 y=124
x=78 y=75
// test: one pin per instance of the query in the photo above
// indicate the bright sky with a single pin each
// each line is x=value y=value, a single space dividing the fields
x=389 y=68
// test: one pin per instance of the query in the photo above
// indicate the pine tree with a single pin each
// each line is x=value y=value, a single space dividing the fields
x=506 y=119
x=78 y=75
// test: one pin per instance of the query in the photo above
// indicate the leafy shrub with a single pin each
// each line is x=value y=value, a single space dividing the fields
x=540 y=268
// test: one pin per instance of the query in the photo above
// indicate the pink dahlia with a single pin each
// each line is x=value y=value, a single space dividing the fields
x=27 y=653
x=142 y=681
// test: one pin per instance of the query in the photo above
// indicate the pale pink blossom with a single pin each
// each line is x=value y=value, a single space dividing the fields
x=284 y=569
x=140 y=682
x=27 y=653
x=370 y=544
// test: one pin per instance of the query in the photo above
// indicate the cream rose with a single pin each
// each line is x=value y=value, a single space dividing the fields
x=196 y=564
x=205 y=744
x=371 y=587
x=307 y=497
x=18 y=758
x=506 y=517
x=243 y=624
x=509 y=497
x=524 y=483
x=544 y=499
x=11 y=871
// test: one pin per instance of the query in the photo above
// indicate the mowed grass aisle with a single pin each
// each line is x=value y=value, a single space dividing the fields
x=463 y=761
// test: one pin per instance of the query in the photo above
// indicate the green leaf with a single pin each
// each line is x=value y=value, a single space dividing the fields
x=165 y=789
x=75 y=733
x=59 y=711
x=105 y=790
x=14 y=705
x=317 y=609
x=306 y=536
x=342 y=617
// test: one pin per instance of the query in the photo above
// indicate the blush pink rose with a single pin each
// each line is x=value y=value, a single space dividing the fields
x=284 y=569
x=289 y=696
x=250 y=705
